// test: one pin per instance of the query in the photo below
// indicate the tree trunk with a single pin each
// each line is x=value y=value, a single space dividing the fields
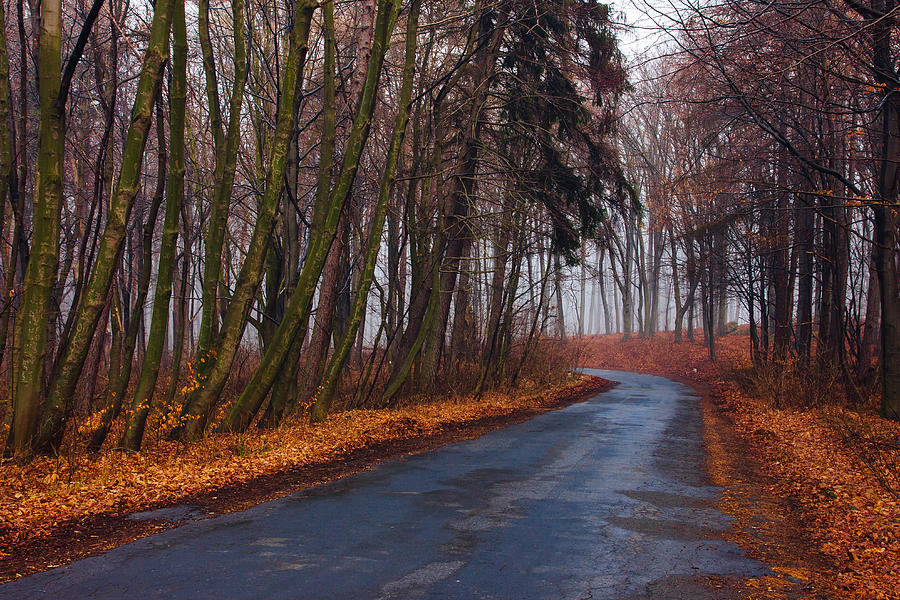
x=783 y=299
x=7 y=175
x=140 y=403
x=887 y=148
x=869 y=338
x=804 y=233
x=226 y=165
x=34 y=312
x=69 y=367
x=137 y=316
x=560 y=309
x=297 y=311
x=342 y=349
x=608 y=327
x=317 y=353
x=215 y=366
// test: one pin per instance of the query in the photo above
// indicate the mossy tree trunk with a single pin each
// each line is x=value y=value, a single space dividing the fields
x=335 y=365
x=40 y=275
x=120 y=377
x=69 y=366
x=140 y=402
x=297 y=311
x=226 y=165
x=214 y=367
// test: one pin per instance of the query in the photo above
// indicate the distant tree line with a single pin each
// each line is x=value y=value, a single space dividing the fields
x=763 y=139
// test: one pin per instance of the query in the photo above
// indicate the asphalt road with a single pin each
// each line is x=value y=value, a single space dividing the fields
x=605 y=499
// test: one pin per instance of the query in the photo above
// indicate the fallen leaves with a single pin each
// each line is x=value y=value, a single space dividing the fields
x=813 y=461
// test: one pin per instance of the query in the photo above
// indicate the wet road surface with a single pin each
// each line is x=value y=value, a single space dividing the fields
x=605 y=499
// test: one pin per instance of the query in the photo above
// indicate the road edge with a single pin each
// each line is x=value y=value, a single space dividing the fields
x=769 y=527
x=100 y=533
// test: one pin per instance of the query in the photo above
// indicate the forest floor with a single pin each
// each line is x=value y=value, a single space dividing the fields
x=56 y=511
x=808 y=493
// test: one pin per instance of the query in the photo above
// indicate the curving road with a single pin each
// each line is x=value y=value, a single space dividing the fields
x=606 y=499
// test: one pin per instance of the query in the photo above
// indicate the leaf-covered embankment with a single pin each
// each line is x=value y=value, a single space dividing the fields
x=53 y=511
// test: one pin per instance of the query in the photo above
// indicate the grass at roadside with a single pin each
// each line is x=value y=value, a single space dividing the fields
x=851 y=518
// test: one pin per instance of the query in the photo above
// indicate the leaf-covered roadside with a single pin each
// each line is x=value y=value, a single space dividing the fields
x=850 y=518
x=45 y=494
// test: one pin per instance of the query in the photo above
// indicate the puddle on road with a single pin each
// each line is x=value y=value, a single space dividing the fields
x=668 y=500
x=665 y=529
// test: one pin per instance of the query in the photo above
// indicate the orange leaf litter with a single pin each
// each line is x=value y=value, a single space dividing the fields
x=49 y=492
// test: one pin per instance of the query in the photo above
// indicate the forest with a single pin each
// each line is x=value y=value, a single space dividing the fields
x=244 y=238
x=761 y=140
x=220 y=214
x=217 y=211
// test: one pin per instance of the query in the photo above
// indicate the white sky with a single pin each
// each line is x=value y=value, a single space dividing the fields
x=641 y=33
